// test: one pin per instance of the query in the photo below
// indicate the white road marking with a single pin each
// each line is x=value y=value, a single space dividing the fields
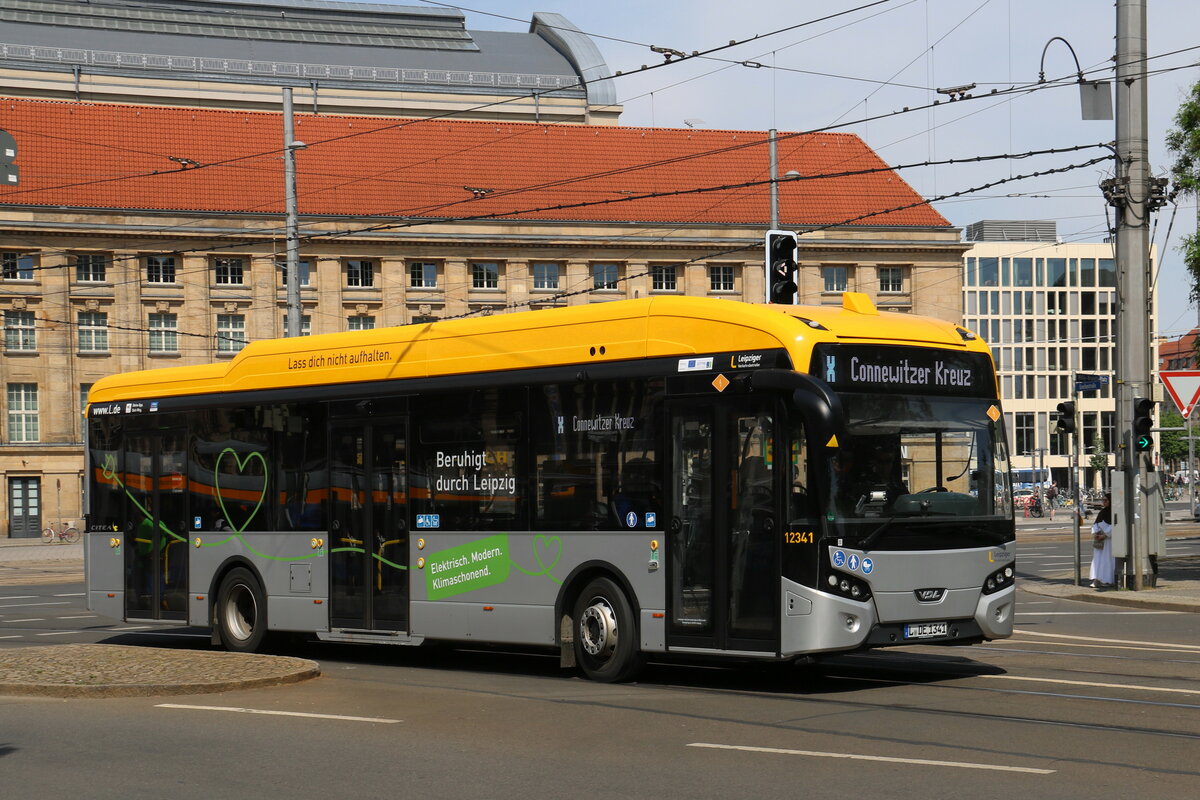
x=19 y=597
x=27 y=605
x=12 y=637
x=81 y=616
x=858 y=757
x=36 y=619
x=59 y=633
x=238 y=710
x=70 y=594
x=1093 y=684
x=1091 y=613
x=1093 y=639
x=132 y=628
x=1093 y=646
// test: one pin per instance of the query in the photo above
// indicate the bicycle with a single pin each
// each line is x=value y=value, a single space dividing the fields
x=61 y=532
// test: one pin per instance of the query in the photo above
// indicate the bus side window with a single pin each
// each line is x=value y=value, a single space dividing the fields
x=799 y=502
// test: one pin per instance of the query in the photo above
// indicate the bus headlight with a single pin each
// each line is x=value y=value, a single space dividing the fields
x=1000 y=579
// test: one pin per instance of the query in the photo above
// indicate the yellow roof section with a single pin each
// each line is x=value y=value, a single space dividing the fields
x=588 y=334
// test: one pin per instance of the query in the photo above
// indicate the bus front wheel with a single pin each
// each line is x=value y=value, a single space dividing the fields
x=241 y=612
x=606 y=641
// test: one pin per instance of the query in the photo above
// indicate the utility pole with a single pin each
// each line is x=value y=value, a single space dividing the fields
x=774 y=175
x=290 y=145
x=1130 y=195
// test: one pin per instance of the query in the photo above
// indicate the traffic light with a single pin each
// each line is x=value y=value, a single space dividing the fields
x=781 y=267
x=1066 y=418
x=1142 y=423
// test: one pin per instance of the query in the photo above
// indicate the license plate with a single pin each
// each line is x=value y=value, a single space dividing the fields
x=926 y=630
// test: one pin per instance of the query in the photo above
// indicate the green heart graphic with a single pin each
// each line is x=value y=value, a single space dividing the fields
x=241 y=465
x=544 y=547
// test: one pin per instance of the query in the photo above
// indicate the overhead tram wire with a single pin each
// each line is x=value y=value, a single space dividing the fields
x=137 y=279
x=1041 y=84
x=516 y=213
x=563 y=295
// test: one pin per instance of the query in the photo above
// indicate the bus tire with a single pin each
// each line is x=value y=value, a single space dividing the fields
x=241 y=614
x=606 y=640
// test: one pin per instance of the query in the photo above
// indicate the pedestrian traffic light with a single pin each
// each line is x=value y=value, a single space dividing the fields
x=1066 y=418
x=1142 y=423
x=781 y=267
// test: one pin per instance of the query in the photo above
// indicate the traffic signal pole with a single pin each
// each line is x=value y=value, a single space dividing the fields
x=1132 y=256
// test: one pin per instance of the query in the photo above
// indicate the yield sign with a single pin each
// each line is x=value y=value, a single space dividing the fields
x=1184 y=388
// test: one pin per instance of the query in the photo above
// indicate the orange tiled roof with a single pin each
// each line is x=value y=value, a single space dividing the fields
x=83 y=155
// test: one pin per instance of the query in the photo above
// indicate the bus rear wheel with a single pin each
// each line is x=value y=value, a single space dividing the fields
x=241 y=612
x=606 y=641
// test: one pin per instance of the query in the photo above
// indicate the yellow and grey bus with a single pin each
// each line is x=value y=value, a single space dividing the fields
x=660 y=477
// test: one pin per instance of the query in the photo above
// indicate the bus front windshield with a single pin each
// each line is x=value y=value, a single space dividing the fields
x=908 y=456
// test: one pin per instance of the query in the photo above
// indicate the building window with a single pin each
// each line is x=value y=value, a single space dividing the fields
x=164 y=335
x=231 y=332
x=1023 y=434
x=360 y=322
x=891 y=279
x=604 y=276
x=664 y=278
x=20 y=333
x=305 y=272
x=305 y=325
x=93 y=332
x=160 y=269
x=84 y=390
x=720 y=278
x=229 y=271
x=360 y=272
x=16 y=266
x=90 y=268
x=485 y=275
x=545 y=276
x=836 y=278
x=422 y=275
x=22 y=412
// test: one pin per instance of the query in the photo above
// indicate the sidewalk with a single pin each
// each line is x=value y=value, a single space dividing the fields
x=1177 y=588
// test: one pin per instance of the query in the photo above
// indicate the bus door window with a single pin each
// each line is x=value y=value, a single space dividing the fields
x=389 y=526
x=753 y=540
x=691 y=527
x=346 y=530
x=172 y=524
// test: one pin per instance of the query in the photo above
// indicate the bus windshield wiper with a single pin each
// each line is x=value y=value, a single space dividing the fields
x=865 y=544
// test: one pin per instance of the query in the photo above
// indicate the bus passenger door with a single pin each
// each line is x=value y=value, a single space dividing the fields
x=156 y=552
x=368 y=537
x=723 y=530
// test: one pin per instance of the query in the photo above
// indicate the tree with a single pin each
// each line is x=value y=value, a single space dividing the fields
x=1099 y=458
x=1184 y=143
x=1172 y=445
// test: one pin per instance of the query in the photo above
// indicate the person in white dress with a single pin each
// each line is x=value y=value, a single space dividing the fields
x=1103 y=563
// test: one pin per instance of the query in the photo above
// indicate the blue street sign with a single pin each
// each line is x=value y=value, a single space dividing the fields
x=1090 y=383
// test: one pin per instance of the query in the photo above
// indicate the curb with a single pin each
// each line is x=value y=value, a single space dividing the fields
x=1073 y=592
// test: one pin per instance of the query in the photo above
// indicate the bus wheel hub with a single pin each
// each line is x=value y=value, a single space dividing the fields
x=598 y=629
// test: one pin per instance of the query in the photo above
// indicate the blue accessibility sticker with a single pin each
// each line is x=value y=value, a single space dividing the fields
x=839 y=558
x=631 y=519
x=867 y=566
x=429 y=520
x=852 y=563
x=651 y=519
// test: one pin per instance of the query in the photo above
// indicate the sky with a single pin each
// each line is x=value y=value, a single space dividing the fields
x=896 y=54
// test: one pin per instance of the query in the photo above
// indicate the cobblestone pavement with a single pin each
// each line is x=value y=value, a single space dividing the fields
x=102 y=670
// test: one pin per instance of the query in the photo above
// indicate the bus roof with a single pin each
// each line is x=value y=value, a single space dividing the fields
x=595 y=333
